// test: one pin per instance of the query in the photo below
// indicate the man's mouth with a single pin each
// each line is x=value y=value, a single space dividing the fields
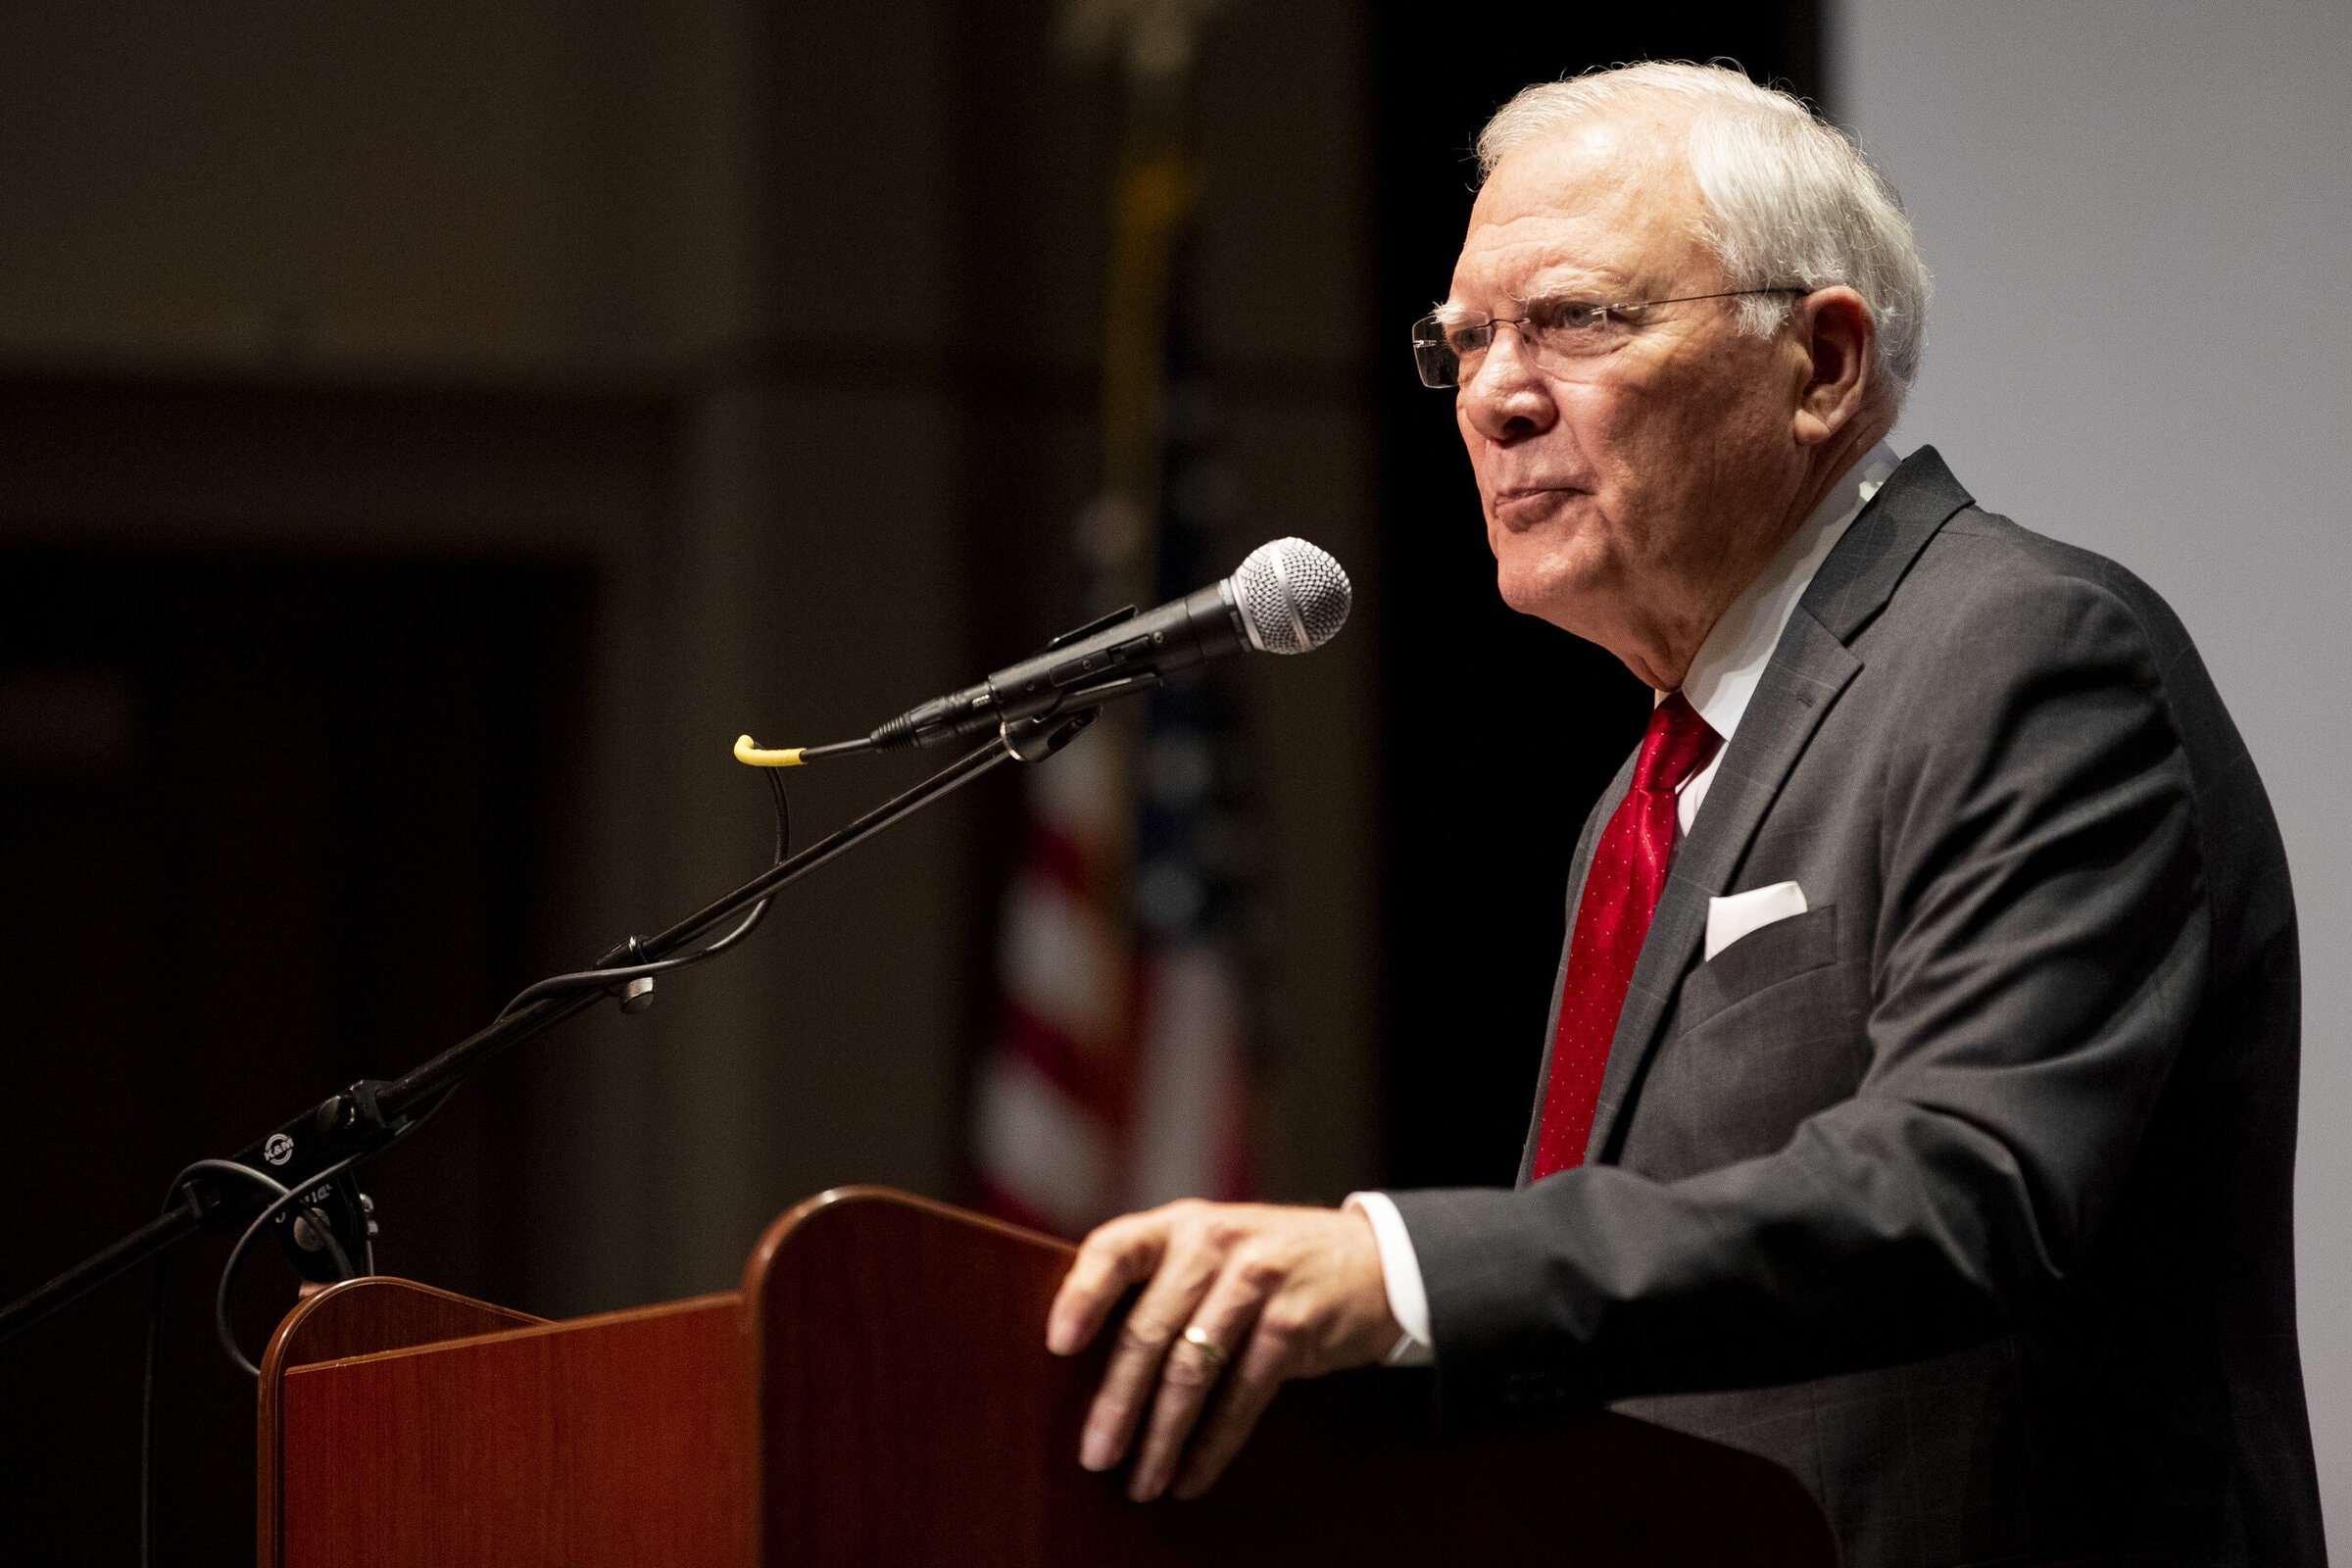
x=1524 y=506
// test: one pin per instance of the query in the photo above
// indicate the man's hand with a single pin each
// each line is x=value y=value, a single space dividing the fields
x=1275 y=1293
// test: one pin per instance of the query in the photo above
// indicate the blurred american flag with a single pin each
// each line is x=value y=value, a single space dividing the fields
x=1117 y=1073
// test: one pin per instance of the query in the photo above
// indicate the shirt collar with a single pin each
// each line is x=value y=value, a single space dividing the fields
x=1723 y=676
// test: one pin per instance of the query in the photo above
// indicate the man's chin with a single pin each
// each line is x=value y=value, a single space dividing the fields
x=1555 y=597
x=1552 y=584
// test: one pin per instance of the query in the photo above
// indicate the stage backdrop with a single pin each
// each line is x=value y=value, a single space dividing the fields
x=2140 y=223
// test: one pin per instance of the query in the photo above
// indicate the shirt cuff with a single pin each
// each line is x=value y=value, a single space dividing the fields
x=1400 y=1275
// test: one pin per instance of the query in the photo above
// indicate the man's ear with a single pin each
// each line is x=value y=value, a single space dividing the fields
x=1840 y=341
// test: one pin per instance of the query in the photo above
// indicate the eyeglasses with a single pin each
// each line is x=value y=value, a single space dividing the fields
x=1557 y=332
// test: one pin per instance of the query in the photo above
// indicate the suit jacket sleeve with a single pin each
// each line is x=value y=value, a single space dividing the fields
x=2034 y=958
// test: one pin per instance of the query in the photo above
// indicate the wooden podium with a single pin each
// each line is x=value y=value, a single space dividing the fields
x=878 y=1393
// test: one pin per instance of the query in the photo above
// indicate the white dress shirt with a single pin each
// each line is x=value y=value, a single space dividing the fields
x=1721 y=681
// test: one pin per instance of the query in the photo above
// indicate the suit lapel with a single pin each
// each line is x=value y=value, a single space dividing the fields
x=1862 y=573
x=1809 y=671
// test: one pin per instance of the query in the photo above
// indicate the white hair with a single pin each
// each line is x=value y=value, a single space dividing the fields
x=1790 y=200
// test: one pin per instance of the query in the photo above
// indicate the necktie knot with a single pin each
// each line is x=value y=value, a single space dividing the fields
x=1677 y=745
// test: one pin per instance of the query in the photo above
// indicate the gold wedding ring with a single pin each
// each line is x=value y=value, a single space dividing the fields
x=1198 y=1338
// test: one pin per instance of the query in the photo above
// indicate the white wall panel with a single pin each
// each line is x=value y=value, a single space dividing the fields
x=2140 y=217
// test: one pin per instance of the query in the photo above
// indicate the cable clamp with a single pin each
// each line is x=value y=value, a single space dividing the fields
x=636 y=993
x=366 y=1106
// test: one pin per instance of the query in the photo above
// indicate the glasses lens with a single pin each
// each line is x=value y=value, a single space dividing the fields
x=1433 y=356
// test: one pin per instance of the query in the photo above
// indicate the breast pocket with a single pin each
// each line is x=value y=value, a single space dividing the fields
x=1765 y=958
x=1763 y=1035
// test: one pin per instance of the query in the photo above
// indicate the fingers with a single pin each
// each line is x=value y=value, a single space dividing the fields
x=1257 y=1375
x=1157 y=1317
x=1192 y=1372
x=1189 y=1256
x=1281 y=1293
x=1115 y=1257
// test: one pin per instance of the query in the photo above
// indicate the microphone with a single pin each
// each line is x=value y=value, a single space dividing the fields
x=1286 y=598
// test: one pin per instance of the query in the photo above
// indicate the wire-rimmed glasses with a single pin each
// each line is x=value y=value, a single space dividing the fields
x=1448 y=346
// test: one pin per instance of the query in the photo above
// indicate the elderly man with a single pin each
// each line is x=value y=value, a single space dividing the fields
x=1921 y=1099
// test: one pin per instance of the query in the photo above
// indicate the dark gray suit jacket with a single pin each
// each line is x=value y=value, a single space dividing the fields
x=1966 y=1194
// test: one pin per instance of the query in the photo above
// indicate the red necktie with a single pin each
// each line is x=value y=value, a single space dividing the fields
x=1621 y=893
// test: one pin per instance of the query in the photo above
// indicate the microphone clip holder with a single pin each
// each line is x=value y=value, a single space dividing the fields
x=1033 y=740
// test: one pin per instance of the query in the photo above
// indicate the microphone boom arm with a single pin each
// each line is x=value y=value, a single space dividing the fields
x=357 y=1123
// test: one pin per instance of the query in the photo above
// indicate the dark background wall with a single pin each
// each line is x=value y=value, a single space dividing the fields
x=266 y=822
x=1501 y=730
x=428 y=434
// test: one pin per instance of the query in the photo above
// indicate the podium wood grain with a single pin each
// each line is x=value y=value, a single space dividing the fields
x=355 y=1318
x=911 y=1415
x=878 y=1393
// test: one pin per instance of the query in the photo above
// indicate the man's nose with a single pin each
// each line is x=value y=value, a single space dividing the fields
x=1507 y=399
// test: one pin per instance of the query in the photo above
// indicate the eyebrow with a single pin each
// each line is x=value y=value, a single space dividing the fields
x=1581 y=284
x=1451 y=314
x=1557 y=279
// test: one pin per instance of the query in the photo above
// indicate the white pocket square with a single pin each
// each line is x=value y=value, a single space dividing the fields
x=1733 y=918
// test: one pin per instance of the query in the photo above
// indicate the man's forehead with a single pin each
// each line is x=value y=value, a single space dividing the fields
x=1605 y=200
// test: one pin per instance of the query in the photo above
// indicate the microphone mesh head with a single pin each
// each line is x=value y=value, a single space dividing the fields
x=1293 y=595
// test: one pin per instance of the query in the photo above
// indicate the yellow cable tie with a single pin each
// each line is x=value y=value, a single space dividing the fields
x=747 y=753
